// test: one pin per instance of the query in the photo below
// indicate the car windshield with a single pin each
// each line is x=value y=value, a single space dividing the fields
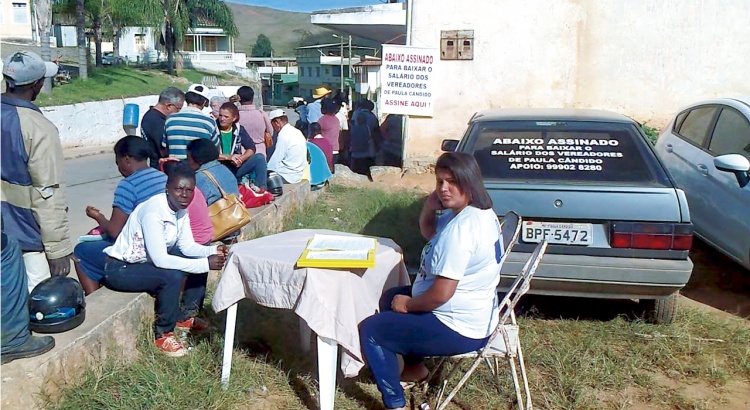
x=570 y=151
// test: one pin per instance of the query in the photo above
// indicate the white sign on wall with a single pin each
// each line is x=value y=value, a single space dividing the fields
x=407 y=80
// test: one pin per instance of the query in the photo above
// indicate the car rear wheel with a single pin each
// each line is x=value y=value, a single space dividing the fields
x=662 y=311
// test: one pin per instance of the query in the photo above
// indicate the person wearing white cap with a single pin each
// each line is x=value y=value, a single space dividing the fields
x=289 y=158
x=33 y=206
x=190 y=123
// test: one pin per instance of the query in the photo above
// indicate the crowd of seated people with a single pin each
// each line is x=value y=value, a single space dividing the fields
x=222 y=142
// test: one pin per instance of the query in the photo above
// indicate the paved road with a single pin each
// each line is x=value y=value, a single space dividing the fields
x=90 y=181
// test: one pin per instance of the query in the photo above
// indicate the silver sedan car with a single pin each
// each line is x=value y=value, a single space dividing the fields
x=706 y=148
x=591 y=184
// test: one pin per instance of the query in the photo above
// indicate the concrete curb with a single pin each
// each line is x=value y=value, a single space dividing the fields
x=79 y=152
x=114 y=322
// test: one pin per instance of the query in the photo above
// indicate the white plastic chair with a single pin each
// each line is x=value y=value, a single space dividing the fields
x=503 y=343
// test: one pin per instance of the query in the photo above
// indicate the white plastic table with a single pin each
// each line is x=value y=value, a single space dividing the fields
x=330 y=302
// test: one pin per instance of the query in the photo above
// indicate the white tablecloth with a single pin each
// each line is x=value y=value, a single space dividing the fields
x=332 y=301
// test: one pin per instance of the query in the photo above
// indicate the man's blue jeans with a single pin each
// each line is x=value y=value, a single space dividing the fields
x=412 y=335
x=15 y=295
x=255 y=165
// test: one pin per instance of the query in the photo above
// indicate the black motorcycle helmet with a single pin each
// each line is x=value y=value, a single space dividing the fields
x=275 y=183
x=56 y=305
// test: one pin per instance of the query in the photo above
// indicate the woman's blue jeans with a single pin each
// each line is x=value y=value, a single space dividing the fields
x=162 y=284
x=412 y=335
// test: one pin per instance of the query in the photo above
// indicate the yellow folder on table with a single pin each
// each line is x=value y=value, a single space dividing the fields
x=339 y=251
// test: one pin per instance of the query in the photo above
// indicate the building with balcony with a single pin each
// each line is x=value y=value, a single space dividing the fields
x=324 y=64
x=209 y=48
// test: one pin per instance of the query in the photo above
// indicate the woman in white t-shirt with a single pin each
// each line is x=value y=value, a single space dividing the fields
x=155 y=252
x=452 y=306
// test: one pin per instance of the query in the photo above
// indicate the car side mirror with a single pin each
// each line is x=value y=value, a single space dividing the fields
x=449 y=145
x=737 y=164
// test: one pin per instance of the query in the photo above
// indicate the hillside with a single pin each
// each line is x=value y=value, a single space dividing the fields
x=278 y=25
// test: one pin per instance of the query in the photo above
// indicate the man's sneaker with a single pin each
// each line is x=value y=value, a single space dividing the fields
x=34 y=346
x=170 y=345
x=193 y=324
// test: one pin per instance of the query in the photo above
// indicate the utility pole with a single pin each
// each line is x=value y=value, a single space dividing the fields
x=350 y=67
x=272 y=91
x=341 y=63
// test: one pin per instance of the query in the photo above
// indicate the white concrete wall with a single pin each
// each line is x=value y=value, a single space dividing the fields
x=642 y=58
x=94 y=123
x=100 y=122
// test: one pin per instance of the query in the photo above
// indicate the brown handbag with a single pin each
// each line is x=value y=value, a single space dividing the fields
x=268 y=139
x=227 y=214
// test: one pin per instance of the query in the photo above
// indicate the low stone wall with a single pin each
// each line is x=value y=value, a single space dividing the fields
x=114 y=322
x=99 y=123
x=94 y=123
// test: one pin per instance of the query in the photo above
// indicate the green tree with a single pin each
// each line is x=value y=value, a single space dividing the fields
x=106 y=17
x=83 y=52
x=262 y=47
x=175 y=17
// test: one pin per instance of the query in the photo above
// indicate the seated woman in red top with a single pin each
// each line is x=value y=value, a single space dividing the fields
x=317 y=138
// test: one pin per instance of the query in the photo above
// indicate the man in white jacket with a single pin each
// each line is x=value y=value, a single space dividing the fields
x=289 y=157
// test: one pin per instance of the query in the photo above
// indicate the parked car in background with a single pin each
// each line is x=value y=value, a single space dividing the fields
x=108 y=58
x=706 y=148
x=591 y=184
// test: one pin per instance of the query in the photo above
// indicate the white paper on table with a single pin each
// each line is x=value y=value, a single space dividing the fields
x=341 y=243
x=343 y=255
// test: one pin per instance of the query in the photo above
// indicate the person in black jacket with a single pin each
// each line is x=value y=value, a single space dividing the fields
x=171 y=101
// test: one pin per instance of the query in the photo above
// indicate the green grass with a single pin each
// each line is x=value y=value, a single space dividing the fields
x=111 y=83
x=578 y=357
x=119 y=82
x=651 y=132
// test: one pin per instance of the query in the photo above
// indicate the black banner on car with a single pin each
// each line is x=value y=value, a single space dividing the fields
x=574 y=151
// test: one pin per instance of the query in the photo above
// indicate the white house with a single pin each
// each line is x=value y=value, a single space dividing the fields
x=209 y=48
x=15 y=19
x=138 y=45
x=367 y=77
x=641 y=58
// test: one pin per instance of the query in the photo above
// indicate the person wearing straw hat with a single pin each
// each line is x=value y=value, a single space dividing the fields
x=33 y=206
x=314 y=109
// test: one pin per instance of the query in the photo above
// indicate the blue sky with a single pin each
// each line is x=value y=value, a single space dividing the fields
x=307 y=5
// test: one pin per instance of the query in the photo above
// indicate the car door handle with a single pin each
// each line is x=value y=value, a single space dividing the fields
x=703 y=169
x=669 y=148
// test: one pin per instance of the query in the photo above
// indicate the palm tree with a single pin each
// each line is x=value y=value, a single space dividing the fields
x=44 y=17
x=83 y=52
x=178 y=16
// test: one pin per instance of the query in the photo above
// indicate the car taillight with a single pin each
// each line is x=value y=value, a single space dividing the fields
x=644 y=235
